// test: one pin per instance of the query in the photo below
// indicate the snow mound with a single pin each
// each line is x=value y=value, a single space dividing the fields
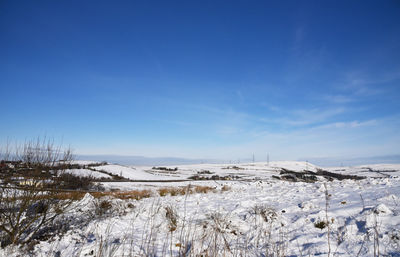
x=87 y=173
x=306 y=206
x=130 y=172
x=382 y=209
x=87 y=203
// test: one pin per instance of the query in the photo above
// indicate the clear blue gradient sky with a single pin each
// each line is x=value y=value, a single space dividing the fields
x=203 y=79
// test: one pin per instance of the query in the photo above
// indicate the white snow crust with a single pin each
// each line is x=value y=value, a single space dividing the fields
x=255 y=216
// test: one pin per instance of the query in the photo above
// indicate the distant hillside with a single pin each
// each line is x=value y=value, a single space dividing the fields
x=326 y=162
x=148 y=161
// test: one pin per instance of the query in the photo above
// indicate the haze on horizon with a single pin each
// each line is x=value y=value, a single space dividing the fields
x=214 y=80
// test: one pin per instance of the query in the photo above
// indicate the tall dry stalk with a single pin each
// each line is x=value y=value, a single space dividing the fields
x=327 y=198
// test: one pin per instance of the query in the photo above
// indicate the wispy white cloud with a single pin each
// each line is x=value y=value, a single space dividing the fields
x=365 y=79
x=354 y=138
x=303 y=117
x=351 y=124
x=339 y=99
x=299 y=36
x=361 y=84
x=350 y=138
x=271 y=107
x=310 y=116
x=286 y=134
x=228 y=130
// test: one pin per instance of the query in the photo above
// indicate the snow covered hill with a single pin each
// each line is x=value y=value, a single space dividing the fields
x=253 y=214
x=243 y=171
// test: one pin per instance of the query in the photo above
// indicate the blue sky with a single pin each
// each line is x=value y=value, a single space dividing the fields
x=203 y=79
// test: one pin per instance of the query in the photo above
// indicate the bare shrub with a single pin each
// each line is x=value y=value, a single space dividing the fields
x=217 y=231
x=172 y=218
x=27 y=208
x=102 y=207
x=70 y=181
x=267 y=213
x=321 y=224
x=25 y=212
x=43 y=153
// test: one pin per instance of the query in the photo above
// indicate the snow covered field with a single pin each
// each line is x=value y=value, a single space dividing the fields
x=87 y=173
x=254 y=214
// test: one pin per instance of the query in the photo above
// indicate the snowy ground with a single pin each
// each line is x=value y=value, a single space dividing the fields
x=259 y=170
x=374 y=170
x=183 y=172
x=255 y=215
x=87 y=173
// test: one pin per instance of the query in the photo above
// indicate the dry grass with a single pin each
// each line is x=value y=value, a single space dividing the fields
x=132 y=194
x=203 y=189
x=124 y=195
x=173 y=191
x=225 y=188
x=66 y=196
x=78 y=195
